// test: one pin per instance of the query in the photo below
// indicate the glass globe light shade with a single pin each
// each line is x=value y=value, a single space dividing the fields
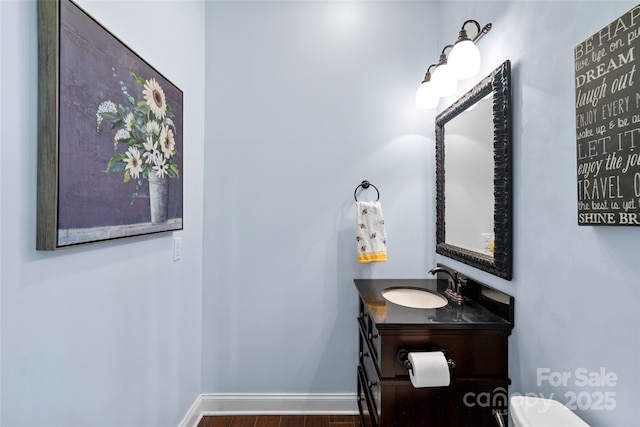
x=464 y=59
x=444 y=81
x=426 y=97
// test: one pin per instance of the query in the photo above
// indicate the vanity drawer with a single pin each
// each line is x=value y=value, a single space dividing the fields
x=476 y=353
x=369 y=332
x=371 y=376
x=368 y=415
x=368 y=352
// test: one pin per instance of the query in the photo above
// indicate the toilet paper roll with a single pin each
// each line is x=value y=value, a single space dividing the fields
x=429 y=369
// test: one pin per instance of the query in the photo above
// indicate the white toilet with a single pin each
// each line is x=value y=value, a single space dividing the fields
x=527 y=411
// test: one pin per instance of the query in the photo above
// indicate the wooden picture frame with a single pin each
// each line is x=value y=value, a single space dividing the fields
x=109 y=135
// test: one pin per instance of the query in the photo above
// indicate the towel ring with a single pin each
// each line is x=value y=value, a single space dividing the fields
x=365 y=184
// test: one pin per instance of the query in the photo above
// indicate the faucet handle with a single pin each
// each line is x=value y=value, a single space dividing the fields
x=462 y=282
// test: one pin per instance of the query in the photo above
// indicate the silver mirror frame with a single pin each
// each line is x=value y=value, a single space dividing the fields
x=501 y=263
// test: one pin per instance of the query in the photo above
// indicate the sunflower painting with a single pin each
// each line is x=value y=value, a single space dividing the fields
x=119 y=138
x=146 y=129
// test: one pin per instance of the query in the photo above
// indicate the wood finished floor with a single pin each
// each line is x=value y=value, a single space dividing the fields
x=281 y=421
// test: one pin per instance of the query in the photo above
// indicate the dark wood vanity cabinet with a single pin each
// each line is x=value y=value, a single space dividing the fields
x=479 y=380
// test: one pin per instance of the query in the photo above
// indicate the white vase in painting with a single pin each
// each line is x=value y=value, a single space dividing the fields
x=158 y=198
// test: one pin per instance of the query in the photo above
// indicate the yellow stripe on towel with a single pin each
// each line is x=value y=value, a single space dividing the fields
x=367 y=257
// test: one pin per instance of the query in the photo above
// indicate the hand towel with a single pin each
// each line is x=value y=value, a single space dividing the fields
x=371 y=238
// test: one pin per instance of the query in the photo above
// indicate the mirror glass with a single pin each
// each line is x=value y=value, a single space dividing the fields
x=468 y=185
x=473 y=176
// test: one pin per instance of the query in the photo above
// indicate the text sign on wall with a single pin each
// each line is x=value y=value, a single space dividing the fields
x=608 y=123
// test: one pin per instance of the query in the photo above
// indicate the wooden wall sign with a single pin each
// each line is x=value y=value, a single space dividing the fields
x=607 y=72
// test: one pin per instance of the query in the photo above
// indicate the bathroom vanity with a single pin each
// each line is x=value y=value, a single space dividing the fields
x=474 y=336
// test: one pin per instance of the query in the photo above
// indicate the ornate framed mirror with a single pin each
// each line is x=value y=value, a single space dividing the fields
x=474 y=176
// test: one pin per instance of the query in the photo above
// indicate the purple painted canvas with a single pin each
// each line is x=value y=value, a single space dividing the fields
x=120 y=139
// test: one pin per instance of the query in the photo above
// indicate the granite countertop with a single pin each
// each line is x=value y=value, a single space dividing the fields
x=483 y=306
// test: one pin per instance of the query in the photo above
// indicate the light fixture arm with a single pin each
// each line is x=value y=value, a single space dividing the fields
x=480 y=31
x=443 y=56
x=427 y=75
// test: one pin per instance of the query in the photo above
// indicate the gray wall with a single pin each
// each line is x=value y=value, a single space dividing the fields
x=107 y=334
x=304 y=101
x=302 y=106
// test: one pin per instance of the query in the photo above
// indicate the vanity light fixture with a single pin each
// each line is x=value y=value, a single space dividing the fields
x=464 y=59
x=426 y=96
x=463 y=62
x=444 y=80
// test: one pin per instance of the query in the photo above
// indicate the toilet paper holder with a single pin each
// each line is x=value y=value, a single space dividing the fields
x=403 y=357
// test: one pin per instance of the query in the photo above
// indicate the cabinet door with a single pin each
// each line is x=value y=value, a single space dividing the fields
x=462 y=404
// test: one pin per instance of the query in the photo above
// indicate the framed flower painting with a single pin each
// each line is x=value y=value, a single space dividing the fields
x=109 y=135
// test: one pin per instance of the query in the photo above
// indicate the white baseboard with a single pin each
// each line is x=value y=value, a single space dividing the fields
x=270 y=404
x=193 y=416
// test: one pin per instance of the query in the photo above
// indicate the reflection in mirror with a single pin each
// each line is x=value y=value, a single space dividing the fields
x=468 y=185
x=473 y=176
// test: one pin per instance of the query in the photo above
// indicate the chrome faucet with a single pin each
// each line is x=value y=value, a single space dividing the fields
x=455 y=283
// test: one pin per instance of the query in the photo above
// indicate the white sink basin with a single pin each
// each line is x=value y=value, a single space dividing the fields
x=414 y=297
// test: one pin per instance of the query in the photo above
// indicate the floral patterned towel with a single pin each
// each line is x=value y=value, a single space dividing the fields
x=371 y=238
